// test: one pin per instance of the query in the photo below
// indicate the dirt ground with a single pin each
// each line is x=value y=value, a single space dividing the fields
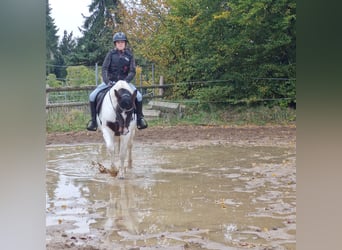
x=185 y=135
x=270 y=135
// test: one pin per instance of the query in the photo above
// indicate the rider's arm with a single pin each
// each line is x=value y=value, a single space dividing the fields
x=105 y=68
x=131 y=72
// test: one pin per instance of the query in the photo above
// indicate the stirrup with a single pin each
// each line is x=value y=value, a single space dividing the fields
x=141 y=123
x=92 y=126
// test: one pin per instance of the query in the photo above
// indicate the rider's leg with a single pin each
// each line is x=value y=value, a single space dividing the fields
x=141 y=122
x=92 y=124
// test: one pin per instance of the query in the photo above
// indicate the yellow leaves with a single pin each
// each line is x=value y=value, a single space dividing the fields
x=138 y=70
x=192 y=21
x=222 y=15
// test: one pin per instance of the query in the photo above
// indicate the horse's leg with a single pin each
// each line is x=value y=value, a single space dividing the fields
x=108 y=137
x=129 y=149
x=122 y=155
x=122 y=169
x=117 y=143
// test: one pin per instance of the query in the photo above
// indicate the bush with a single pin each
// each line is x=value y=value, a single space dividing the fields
x=52 y=81
x=80 y=75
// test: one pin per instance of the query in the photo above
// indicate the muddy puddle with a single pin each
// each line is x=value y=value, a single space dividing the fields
x=188 y=197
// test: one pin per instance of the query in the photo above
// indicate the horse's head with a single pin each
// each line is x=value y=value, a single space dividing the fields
x=124 y=108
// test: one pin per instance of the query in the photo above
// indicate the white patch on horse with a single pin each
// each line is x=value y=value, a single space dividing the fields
x=121 y=144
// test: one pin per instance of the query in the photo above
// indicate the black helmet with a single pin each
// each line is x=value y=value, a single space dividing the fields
x=119 y=36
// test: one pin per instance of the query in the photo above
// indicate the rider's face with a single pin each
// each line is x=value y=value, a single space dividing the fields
x=120 y=45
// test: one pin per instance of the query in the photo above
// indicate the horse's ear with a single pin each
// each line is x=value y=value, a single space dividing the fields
x=116 y=94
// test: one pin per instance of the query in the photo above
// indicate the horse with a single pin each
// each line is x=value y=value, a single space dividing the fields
x=117 y=121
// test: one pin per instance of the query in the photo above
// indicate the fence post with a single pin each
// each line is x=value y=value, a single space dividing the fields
x=96 y=74
x=140 y=80
x=153 y=73
x=161 y=83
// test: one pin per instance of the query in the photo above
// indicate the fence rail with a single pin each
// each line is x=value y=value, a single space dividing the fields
x=77 y=96
x=91 y=87
x=69 y=88
x=88 y=88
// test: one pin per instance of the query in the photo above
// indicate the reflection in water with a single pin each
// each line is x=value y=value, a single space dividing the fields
x=213 y=196
x=121 y=211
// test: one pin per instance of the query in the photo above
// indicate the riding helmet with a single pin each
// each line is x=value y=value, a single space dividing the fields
x=119 y=36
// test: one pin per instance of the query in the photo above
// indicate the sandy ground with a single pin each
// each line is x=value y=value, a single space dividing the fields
x=186 y=135
x=269 y=135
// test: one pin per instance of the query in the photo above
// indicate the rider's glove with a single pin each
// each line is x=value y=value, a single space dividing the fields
x=111 y=83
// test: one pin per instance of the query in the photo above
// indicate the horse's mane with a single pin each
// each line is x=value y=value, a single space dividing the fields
x=122 y=85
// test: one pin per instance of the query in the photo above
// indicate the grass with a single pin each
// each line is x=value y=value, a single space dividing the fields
x=64 y=121
x=76 y=120
x=233 y=116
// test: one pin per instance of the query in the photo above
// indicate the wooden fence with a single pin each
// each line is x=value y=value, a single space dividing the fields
x=147 y=91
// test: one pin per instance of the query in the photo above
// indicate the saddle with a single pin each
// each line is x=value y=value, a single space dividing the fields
x=99 y=98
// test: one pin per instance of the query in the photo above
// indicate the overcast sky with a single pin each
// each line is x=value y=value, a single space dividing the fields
x=67 y=15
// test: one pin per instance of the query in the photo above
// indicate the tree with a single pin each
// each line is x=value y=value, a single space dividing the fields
x=236 y=42
x=98 y=29
x=67 y=46
x=265 y=46
x=142 y=23
x=52 y=54
x=227 y=49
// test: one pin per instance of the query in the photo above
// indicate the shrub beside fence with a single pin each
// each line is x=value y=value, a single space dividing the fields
x=67 y=107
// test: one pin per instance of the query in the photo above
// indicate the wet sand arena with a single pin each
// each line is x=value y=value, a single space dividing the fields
x=176 y=196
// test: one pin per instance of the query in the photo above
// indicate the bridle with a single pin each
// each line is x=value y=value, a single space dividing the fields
x=119 y=110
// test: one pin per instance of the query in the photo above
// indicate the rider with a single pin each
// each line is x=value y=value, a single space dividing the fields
x=119 y=64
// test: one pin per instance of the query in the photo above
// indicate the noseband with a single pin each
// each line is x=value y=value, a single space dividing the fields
x=125 y=100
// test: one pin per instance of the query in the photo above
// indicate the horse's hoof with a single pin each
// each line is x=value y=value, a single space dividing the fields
x=112 y=172
x=121 y=175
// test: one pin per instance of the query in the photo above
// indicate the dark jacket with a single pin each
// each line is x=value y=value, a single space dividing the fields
x=118 y=66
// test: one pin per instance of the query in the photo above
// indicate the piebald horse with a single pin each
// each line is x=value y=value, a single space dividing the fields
x=117 y=121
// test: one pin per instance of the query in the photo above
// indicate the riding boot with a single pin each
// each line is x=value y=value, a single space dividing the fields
x=92 y=124
x=141 y=122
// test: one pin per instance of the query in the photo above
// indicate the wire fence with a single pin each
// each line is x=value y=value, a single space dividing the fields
x=79 y=96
